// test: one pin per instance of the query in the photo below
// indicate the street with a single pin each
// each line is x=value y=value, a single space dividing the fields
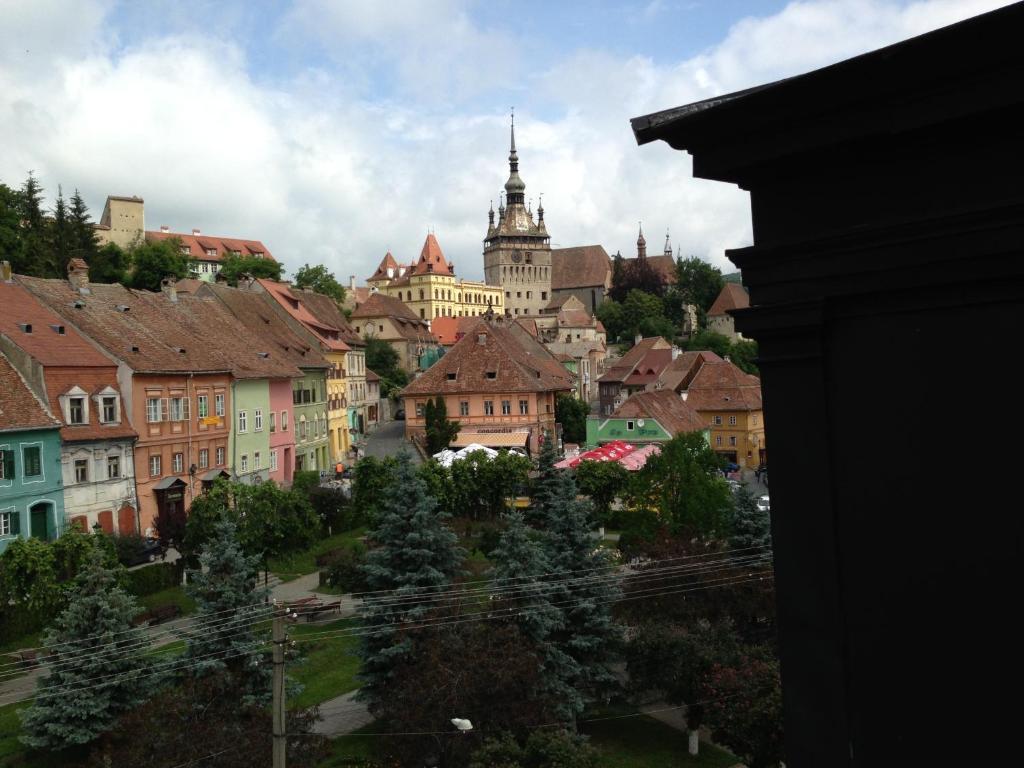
x=388 y=440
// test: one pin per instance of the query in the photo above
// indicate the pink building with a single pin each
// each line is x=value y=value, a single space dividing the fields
x=282 y=434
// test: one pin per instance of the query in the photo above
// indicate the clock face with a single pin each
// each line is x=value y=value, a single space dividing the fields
x=517 y=256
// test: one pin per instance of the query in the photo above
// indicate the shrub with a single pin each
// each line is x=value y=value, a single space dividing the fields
x=334 y=508
x=305 y=481
x=152 y=578
x=345 y=569
x=128 y=547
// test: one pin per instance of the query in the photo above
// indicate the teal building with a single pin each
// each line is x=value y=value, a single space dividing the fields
x=31 y=486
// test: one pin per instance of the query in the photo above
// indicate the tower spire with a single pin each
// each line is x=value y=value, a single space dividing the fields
x=515 y=187
x=668 y=244
x=641 y=244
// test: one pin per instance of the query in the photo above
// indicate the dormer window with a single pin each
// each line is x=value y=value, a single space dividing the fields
x=185 y=250
x=211 y=251
x=76 y=410
x=74 y=406
x=492 y=374
x=108 y=409
x=452 y=375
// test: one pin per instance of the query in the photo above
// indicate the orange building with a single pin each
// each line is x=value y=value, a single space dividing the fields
x=499 y=385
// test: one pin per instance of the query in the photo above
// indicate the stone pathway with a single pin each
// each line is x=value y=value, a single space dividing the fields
x=341 y=715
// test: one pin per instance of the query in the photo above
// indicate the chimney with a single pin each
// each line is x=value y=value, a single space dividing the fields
x=164 y=228
x=638 y=338
x=196 y=233
x=169 y=288
x=351 y=282
x=78 y=276
x=726 y=359
x=675 y=352
x=5 y=271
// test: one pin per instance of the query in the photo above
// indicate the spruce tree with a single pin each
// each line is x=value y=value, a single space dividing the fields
x=34 y=251
x=585 y=589
x=521 y=571
x=10 y=227
x=98 y=671
x=414 y=555
x=751 y=527
x=60 y=238
x=83 y=235
x=545 y=483
x=227 y=601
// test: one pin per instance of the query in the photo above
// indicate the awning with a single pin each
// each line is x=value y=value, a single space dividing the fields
x=626 y=454
x=214 y=474
x=491 y=439
x=169 y=482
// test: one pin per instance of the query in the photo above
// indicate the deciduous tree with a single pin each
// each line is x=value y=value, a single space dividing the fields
x=152 y=262
x=318 y=278
x=602 y=482
x=233 y=267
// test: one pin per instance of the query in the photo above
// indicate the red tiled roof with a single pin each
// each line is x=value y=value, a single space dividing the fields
x=491 y=358
x=587 y=266
x=60 y=381
x=19 y=408
x=680 y=372
x=432 y=260
x=529 y=325
x=733 y=296
x=371 y=376
x=664 y=406
x=293 y=302
x=381 y=273
x=724 y=387
x=665 y=266
x=625 y=366
x=63 y=346
x=575 y=318
x=256 y=312
x=224 y=246
x=326 y=309
x=130 y=326
x=404 y=319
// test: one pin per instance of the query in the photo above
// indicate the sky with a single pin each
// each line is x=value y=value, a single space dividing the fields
x=335 y=130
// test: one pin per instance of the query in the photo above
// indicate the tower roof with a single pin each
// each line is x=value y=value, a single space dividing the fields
x=388 y=262
x=432 y=260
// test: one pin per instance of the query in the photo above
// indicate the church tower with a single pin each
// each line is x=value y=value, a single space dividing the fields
x=517 y=249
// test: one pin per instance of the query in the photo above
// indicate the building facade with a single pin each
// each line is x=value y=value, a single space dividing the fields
x=729 y=401
x=647 y=417
x=584 y=272
x=388 y=319
x=517 y=248
x=31 y=491
x=430 y=288
x=733 y=296
x=501 y=386
x=635 y=371
x=79 y=386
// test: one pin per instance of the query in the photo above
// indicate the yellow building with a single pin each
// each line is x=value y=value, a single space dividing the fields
x=730 y=402
x=430 y=288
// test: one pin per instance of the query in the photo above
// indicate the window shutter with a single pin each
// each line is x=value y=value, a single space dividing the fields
x=164 y=410
x=15 y=523
x=186 y=405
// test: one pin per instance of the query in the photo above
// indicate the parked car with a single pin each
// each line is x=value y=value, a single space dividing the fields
x=148 y=550
x=400 y=414
x=762 y=504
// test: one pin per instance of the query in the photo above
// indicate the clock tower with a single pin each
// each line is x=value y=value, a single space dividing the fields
x=517 y=249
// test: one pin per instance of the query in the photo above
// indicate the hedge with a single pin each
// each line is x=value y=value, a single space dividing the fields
x=17 y=621
x=151 y=578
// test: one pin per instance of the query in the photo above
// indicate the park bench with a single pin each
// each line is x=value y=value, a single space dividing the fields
x=157 y=615
x=322 y=608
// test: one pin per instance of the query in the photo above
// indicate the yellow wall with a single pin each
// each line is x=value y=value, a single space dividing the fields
x=337 y=403
x=748 y=433
x=467 y=298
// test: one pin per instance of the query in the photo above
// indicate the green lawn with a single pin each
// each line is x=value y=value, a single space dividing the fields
x=25 y=641
x=170 y=596
x=297 y=564
x=329 y=668
x=643 y=742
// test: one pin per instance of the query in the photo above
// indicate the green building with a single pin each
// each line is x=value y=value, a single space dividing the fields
x=309 y=403
x=31 y=488
x=646 y=417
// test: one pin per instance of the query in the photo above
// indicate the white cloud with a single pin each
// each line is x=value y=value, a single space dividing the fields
x=321 y=173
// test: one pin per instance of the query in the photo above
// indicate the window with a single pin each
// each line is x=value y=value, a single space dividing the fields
x=113 y=467
x=179 y=410
x=6 y=464
x=543 y=295
x=519 y=294
x=419 y=410
x=492 y=374
x=5 y=523
x=284 y=421
x=506 y=407
x=718 y=440
x=32 y=460
x=488 y=407
x=463 y=408
x=257 y=420
x=524 y=407
x=153 y=409
x=529 y=294
x=244 y=465
x=76 y=410
x=273 y=461
x=178 y=463
x=257 y=462
x=732 y=421
x=629 y=425
x=717 y=420
x=203 y=405
x=220 y=457
x=109 y=409
x=753 y=420
x=81 y=470
x=204 y=458
x=732 y=440
x=154 y=466
x=273 y=421
x=218 y=405
x=243 y=421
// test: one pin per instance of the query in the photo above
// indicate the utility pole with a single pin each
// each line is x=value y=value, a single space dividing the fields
x=278 y=638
